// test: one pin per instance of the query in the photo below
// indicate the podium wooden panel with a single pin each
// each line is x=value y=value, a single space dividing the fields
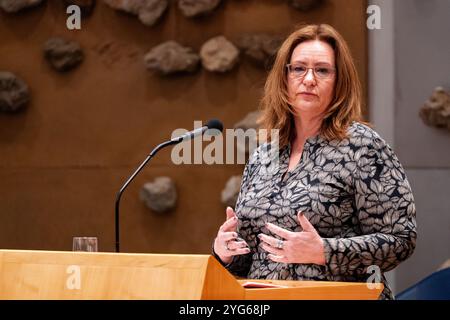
x=80 y=275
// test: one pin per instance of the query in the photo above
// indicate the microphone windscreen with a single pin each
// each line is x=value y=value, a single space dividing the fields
x=215 y=124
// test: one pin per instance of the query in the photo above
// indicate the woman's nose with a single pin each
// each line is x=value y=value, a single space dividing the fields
x=309 y=77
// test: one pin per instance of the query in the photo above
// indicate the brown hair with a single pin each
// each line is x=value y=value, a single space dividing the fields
x=344 y=108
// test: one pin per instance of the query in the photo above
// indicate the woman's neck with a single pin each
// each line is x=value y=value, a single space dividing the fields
x=305 y=127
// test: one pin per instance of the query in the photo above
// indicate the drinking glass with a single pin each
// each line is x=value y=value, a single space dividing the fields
x=89 y=244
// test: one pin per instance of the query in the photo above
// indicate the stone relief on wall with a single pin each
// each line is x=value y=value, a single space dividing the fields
x=62 y=54
x=14 y=93
x=231 y=191
x=171 y=57
x=196 y=8
x=248 y=122
x=86 y=6
x=260 y=48
x=148 y=11
x=219 y=55
x=436 y=110
x=159 y=195
x=12 y=6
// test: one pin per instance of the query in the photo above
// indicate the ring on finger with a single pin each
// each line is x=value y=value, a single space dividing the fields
x=280 y=244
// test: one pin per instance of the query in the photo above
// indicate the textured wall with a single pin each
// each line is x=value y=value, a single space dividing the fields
x=63 y=160
x=408 y=59
x=421 y=64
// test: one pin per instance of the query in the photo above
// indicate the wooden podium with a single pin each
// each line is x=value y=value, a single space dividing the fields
x=81 y=275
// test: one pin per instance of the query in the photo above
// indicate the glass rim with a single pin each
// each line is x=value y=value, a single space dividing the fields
x=85 y=238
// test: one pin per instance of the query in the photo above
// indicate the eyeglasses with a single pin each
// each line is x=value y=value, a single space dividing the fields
x=298 y=71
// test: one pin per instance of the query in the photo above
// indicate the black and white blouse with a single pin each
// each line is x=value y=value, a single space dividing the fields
x=353 y=191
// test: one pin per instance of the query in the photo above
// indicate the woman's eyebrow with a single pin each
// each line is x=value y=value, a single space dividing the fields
x=315 y=64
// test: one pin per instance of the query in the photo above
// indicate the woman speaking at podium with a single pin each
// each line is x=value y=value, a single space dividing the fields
x=338 y=205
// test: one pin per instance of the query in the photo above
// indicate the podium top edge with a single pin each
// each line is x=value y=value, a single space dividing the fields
x=105 y=253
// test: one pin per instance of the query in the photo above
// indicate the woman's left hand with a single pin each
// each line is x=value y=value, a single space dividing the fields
x=297 y=247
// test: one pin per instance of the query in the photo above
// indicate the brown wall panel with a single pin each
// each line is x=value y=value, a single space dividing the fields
x=44 y=209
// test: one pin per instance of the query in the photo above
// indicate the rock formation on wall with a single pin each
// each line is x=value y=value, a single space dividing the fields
x=219 y=55
x=231 y=191
x=63 y=54
x=195 y=8
x=148 y=11
x=248 y=122
x=14 y=93
x=159 y=195
x=86 y=6
x=436 y=110
x=17 y=5
x=170 y=57
x=260 y=48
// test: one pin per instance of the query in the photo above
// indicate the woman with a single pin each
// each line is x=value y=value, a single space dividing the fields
x=338 y=206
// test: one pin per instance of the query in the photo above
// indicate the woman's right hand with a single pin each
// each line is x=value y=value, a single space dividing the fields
x=227 y=244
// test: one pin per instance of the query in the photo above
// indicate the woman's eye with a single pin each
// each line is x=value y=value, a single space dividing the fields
x=299 y=69
x=323 y=71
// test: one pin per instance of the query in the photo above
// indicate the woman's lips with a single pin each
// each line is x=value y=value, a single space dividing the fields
x=307 y=95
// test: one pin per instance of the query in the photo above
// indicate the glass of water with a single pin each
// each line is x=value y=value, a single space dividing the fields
x=89 y=244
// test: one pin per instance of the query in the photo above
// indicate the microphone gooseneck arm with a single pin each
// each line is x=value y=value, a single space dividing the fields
x=119 y=194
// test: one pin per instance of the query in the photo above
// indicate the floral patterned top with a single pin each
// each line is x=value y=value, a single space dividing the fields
x=353 y=191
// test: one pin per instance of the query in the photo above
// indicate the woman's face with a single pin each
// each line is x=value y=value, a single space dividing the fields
x=312 y=92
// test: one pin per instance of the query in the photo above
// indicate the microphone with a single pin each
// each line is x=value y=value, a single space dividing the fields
x=210 y=125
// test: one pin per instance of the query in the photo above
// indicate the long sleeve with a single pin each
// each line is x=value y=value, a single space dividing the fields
x=385 y=213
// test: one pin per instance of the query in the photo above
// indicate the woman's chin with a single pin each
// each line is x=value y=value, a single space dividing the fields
x=306 y=106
